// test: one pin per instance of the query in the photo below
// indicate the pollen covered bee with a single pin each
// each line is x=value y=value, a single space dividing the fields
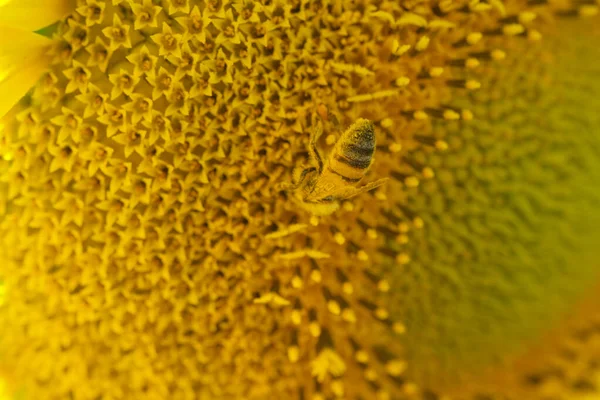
x=321 y=186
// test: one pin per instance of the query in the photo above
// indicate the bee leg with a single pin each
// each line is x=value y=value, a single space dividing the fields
x=285 y=186
x=365 y=188
x=297 y=180
x=312 y=148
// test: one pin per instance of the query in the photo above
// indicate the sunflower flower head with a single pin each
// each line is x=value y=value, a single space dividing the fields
x=149 y=252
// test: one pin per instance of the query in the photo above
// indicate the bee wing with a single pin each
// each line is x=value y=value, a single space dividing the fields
x=323 y=190
x=367 y=187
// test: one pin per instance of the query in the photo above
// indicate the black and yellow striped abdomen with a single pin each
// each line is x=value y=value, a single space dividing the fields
x=353 y=153
x=346 y=165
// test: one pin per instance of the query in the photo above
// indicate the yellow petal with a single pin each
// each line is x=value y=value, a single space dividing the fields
x=33 y=14
x=23 y=59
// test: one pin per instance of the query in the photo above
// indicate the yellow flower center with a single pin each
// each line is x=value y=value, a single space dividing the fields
x=151 y=248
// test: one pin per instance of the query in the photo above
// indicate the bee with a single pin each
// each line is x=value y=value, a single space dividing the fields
x=322 y=185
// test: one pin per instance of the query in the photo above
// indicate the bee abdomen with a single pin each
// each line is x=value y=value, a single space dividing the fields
x=359 y=150
x=358 y=144
x=358 y=162
x=353 y=153
x=361 y=133
x=344 y=177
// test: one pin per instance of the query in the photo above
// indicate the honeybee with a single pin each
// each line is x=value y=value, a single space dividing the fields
x=321 y=186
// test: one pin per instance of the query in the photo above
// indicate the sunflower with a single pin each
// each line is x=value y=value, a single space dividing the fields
x=149 y=252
